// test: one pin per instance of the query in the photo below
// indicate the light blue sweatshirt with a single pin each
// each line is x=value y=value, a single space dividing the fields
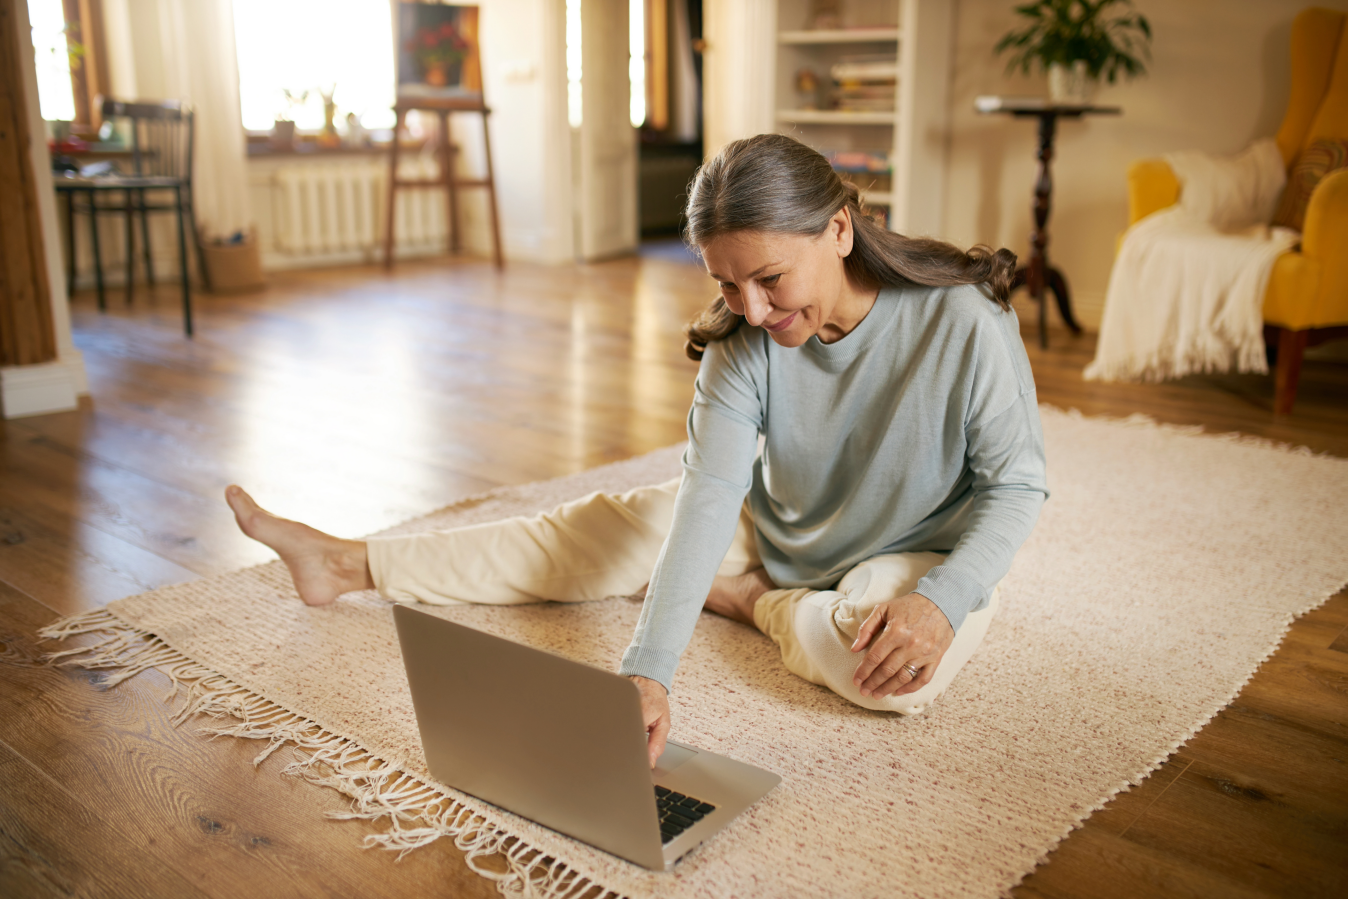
x=918 y=430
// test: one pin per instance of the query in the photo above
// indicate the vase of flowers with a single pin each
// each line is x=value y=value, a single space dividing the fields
x=439 y=51
x=1078 y=43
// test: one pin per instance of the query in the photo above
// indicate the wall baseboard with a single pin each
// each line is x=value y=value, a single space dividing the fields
x=40 y=389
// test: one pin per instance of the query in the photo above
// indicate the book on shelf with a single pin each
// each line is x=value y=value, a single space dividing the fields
x=859 y=91
x=862 y=68
x=869 y=161
x=864 y=83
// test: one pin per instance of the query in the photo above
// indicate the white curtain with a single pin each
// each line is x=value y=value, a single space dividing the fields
x=184 y=50
x=685 y=92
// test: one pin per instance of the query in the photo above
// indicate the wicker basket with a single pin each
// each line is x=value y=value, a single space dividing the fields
x=233 y=267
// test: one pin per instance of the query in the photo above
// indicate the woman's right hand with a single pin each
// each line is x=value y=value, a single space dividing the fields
x=654 y=714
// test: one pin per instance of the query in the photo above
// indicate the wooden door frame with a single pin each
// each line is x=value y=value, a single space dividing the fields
x=27 y=332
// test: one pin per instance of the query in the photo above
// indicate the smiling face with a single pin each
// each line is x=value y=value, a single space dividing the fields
x=794 y=286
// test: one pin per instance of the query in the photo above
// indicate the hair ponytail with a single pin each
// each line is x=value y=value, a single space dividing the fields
x=776 y=184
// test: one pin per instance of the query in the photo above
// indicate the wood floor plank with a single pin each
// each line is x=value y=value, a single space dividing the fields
x=76 y=568
x=1334 y=610
x=201 y=459
x=180 y=799
x=172 y=417
x=1264 y=837
x=1310 y=640
x=37 y=859
x=19 y=880
x=1093 y=863
x=1313 y=694
x=1126 y=807
x=1340 y=643
x=61 y=488
x=1288 y=759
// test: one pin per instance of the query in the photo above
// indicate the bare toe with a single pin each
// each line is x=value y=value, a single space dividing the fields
x=245 y=509
x=322 y=566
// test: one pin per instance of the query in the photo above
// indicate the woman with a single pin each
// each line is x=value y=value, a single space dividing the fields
x=901 y=464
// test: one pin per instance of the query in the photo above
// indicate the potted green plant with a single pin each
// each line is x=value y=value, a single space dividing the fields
x=1078 y=42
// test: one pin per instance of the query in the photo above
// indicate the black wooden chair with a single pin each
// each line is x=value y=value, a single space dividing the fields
x=161 y=164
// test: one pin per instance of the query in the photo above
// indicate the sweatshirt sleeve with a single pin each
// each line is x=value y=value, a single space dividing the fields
x=723 y=427
x=1005 y=454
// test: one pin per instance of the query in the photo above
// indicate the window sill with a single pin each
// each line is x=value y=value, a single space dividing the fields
x=310 y=148
x=261 y=145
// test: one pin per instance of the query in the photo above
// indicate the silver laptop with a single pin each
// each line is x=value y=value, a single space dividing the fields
x=563 y=744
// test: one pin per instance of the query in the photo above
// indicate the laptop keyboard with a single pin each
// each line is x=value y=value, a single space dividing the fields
x=678 y=812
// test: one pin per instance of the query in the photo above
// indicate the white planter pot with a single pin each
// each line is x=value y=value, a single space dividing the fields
x=1070 y=86
x=283 y=133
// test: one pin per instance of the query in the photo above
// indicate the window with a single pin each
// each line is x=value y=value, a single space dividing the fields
x=55 y=88
x=306 y=47
x=636 y=67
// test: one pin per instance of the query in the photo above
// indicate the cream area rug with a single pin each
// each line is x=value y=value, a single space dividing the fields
x=1166 y=566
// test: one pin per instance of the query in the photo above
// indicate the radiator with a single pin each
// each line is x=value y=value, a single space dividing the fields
x=334 y=208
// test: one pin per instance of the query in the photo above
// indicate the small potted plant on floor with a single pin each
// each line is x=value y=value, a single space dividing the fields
x=1078 y=42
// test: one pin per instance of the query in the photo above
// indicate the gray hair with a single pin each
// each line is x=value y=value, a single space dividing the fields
x=773 y=183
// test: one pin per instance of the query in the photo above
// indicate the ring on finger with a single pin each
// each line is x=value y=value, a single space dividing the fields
x=912 y=672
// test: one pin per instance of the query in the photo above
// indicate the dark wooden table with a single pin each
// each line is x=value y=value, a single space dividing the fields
x=1038 y=274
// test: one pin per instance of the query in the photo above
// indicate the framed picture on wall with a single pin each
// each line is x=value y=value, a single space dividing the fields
x=438 y=56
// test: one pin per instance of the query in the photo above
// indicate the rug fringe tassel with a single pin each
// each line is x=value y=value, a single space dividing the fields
x=418 y=813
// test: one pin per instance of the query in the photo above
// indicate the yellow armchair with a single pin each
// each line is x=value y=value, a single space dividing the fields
x=1307 y=298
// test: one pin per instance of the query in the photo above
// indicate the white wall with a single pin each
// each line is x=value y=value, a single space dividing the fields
x=1218 y=79
x=524 y=79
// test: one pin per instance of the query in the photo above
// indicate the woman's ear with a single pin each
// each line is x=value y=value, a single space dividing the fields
x=840 y=227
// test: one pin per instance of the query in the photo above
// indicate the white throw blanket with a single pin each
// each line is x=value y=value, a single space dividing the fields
x=1187 y=291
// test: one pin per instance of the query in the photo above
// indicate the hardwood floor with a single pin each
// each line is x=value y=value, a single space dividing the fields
x=354 y=399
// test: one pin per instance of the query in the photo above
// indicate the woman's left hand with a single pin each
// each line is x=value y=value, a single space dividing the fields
x=905 y=631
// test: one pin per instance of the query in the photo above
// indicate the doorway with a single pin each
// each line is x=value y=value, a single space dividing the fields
x=670 y=143
x=634 y=106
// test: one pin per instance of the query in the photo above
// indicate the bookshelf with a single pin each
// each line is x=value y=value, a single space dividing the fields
x=882 y=78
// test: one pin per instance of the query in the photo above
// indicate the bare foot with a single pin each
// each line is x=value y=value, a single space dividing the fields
x=734 y=597
x=322 y=566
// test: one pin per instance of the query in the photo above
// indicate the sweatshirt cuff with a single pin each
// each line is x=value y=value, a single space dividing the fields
x=953 y=592
x=647 y=661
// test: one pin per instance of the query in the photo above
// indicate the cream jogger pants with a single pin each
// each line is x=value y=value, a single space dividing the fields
x=606 y=545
